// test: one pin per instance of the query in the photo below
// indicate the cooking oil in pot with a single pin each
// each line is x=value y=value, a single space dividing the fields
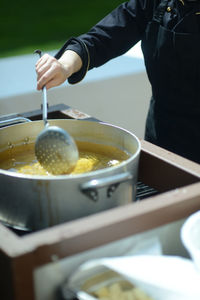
x=21 y=158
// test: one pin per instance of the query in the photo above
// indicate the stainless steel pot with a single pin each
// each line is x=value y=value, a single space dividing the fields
x=37 y=202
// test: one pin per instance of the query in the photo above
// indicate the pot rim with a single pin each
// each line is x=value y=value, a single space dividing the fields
x=82 y=175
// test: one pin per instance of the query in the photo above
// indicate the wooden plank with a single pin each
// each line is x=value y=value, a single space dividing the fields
x=175 y=177
x=102 y=228
x=164 y=170
x=6 y=277
x=23 y=282
x=188 y=172
x=97 y=230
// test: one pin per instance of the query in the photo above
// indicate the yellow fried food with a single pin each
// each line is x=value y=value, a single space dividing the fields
x=91 y=157
x=102 y=293
x=86 y=163
x=116 y=292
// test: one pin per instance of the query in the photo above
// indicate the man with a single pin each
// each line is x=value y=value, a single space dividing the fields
x=170 y=36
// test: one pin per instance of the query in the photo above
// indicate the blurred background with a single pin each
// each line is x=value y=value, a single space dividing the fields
x=117 y=92
x=29 y=25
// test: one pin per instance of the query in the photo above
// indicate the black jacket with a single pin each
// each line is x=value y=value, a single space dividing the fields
x=171 y=47
x=118 y=32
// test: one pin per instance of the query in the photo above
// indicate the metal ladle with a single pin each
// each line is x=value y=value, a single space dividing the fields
x=55 y=149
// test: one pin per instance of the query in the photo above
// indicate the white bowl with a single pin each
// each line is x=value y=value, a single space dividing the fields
x=190 y=236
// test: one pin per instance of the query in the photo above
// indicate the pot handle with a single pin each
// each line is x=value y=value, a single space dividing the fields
x=12 y=121
x=90 y=188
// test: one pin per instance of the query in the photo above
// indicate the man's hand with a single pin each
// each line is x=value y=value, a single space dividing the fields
x=52 y=72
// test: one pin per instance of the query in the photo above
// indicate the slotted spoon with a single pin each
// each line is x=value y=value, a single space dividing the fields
x=55 y=149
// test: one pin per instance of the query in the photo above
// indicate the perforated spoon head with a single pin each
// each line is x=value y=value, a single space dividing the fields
x=56 y=150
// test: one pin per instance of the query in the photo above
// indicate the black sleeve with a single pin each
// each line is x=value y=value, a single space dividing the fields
x=112 y=36
x=77 y=45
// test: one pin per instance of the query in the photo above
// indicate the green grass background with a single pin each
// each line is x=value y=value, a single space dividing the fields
x=26 y=25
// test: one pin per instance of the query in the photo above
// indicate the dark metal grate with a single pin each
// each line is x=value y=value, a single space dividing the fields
x=144 y=191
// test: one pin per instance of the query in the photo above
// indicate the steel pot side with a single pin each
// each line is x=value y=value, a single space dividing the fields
x=37 y=202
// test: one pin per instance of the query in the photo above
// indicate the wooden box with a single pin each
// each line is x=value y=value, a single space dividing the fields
x=177 y=182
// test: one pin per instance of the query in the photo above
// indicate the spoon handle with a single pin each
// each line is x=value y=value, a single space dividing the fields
x=44 y=107
x=44 y=92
